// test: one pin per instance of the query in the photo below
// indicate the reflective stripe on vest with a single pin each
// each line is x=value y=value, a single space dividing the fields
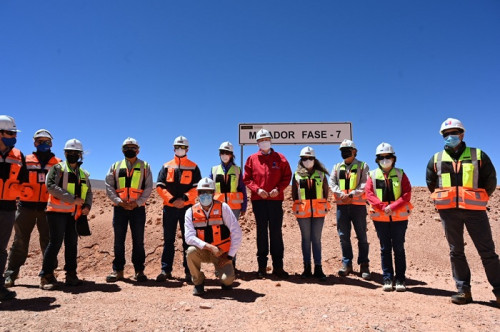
x=130 y=185
x=461 y=190
x=212 y=229
x=311 y=202
x=226 y=186
x=69 y=181
x=8 y=191
x=36 y=185
x=354 y=175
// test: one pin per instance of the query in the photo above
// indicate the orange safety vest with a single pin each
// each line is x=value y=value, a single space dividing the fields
x=36 y=185
x=226 y=186
x=212 y=229
x=10 y=188
x=311 y=202
x=348 y=180
x=129 y=185
x=458 y=181
x=186 y=167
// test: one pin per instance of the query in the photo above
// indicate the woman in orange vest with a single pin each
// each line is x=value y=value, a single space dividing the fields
x=388 y=191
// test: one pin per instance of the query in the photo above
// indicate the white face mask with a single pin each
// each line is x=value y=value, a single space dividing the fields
x=180 y=152
x=264 y=146
x=385 y=163
x=308 y=164
x=225 y=158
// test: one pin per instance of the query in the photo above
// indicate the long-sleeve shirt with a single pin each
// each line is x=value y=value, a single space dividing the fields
x=241 y=185
x=229 y=220
x=54 y=178
x=111 y=183
x=334 y=178
x=372 y=198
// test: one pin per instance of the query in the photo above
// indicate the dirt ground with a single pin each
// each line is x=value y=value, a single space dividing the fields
x=339 y=304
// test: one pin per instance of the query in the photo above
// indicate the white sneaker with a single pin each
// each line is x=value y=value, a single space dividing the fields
x=387 y=287
x=400 y=286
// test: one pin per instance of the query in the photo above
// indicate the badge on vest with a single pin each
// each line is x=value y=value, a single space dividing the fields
x=41 y=177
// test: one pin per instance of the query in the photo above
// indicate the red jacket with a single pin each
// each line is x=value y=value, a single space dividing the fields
x=267 y=172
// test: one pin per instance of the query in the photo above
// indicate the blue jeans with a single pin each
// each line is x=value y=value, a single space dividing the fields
x=392 y=238
x=310 y=231
x=478 y=226
x=121 y=220
x=269 y=219
x=357 y=215
x=172 y=216
x=6 y=223
x=61 y=228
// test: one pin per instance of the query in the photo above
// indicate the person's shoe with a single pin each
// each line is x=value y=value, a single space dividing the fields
x=72 y=279
x=345 y=270
x=280 y=273
x=163 y=276
x=188 y=278
x=364 y=270
x=48 y=282
x=6 y=294
x=9 y=281
x=114 y=276
x=199 y=290
x=387 y=287
x=307 y=271
x=462 y=298
x=140 y=277
x=226 y=287
x=318 y=273
x=400 y=286
x=262 y=272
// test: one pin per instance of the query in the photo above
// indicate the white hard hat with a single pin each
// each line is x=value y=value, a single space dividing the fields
x=42 y=133
x=263 y=133
x=181 y=140
x=8 y=123
x=307 y=152
x=130 y=141
x=384 y=148
x=451 y=123
x=347 y=143
x=206 y=184
x=226 y=146
x=73 y=144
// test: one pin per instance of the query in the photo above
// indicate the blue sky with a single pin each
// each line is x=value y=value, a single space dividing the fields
x=100 y=71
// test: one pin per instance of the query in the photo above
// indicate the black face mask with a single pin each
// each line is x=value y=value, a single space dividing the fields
x=346 y=153
x=72 y=158
x=130 y=153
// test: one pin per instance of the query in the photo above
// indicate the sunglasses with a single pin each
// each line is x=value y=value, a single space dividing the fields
x=455 y=132
x=181 y=147
x=48 y=141
x=306 y=158
x=8 y=132
x=128 y=148
x=385 y=157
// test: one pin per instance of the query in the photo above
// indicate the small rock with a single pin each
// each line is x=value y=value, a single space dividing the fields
x=206 y=306
x=278 y=284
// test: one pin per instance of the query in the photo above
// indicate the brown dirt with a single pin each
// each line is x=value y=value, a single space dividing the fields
x=339 y=304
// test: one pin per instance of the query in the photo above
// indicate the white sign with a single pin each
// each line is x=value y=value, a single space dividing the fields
x=298 y=133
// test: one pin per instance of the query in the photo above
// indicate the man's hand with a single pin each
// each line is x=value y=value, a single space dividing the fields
x=388 y=210
x=132 y=205
x=262 y=193
x=85 y=210
x=213 y=249
x=274 y=192
x=79 y=201
x=178 y=203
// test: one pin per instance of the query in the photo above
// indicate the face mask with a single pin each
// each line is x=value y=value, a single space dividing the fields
x=264 y=145
x=452 y=141
x=347 y=153
x=180 y=152
x=72 y=158
x=205 y=199
x=385 y=163
x=225 y=158
x=130 y=153
x=9 y=142
x=308 y=164
x=44 y=147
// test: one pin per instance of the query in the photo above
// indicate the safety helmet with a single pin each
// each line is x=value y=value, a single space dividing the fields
x=130 y=141
x=384 y=148
x=42 y=133
x=307 y=152
x=226 y=146
x=206 y=184
x=263 y=133
x=181 y=140
x=73 y=144
x=8 y=123
x=451 y=123
x=347 y=143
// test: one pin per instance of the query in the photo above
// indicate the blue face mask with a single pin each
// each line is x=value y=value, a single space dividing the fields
x=9 y=142
x=205 y=199
x=44 y=147
x=452 y=141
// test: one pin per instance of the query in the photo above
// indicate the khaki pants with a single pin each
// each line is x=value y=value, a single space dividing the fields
x=197 y=256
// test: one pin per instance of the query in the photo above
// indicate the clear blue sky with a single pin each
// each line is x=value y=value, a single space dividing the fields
x=100 y=71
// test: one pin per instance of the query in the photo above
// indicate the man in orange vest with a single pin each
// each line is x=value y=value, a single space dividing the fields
x=461 y=180
x=214 y=236
x=12 y=173
x=31 y=211
x=128 y=185
x=176 y=184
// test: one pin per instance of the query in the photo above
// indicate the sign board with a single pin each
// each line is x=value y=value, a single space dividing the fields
x=298 y=133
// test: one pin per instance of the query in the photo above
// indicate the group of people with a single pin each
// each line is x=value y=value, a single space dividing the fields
x=41 y=189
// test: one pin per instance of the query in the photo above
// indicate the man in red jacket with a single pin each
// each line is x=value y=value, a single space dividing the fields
x=267 y=174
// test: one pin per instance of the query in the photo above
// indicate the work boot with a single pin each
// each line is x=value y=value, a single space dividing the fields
x=48 y=282
x=462 y=298
x=140 y=277
x=307 y=271
x=163 y=276
x=345 y=270
x=262 y=272
x=72 y=279
x=387 y=287
x=6 y=294
x=9 y=280
x=280 y=273
x=114 y=276
x=364 y=270
x=199 y=290
x=226 y=287
x=318 y=272
x=188 y=278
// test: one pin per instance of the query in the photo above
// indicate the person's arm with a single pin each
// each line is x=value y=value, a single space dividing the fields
x=52 y=183
x=161 y=188
x=487 y=174
x=148 y=187
x=234 y=228
x=190 y=231
x=405 y=193
x=110 y=186
x=360 y=189
x=286 y=175
x=371 y=197
x=431 y=177
x=248 y=176
x=90 y=195
x=334 y=184
x=295 y=190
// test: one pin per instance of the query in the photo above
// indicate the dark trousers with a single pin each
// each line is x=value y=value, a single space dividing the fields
x=172 y=216
x=269 y=219
x=61 y=228
x=121 y=220
x=392 y=238
x=26 y=219
x=6 y=223
x=355 y=214
x=478 y=226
